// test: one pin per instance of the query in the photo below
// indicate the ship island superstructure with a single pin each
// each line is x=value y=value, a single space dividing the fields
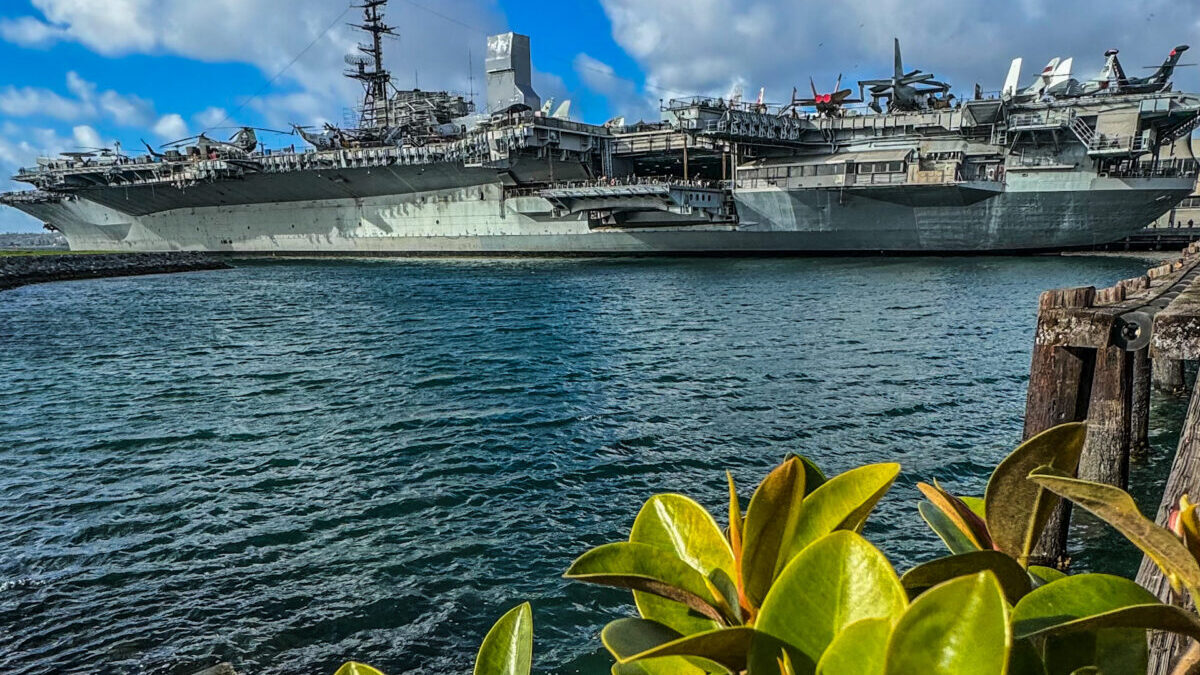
x=423 y=174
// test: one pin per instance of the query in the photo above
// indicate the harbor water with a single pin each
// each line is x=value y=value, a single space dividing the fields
x=290 y=465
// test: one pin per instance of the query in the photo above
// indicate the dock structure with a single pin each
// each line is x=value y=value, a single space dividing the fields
x=1097 y=355
x=1155 y=239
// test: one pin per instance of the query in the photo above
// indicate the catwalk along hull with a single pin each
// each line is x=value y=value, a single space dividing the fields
x=1032 y=212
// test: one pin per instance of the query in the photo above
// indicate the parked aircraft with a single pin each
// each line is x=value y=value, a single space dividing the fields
x=1056 y=82
x=827 y=105
x=902 y=91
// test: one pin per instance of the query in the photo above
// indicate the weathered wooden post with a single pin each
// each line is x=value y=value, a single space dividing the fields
x=1105 y=456
x=1139 y=405
x=1059 y=377
x=1168 y=376
x=1059 y=391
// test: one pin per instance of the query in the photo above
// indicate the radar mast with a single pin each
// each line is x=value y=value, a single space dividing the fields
x=369 y=69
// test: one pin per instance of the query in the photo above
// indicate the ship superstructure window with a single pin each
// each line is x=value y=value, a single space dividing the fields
x=880 y=167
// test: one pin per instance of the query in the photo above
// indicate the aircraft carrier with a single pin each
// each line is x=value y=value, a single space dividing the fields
x=1058 y=165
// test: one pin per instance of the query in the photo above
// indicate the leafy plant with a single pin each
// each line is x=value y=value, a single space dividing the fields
x=1014 y=511
x=705 y=596
x=793 y=588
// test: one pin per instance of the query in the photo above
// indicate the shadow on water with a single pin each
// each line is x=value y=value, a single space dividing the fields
x=288 y=465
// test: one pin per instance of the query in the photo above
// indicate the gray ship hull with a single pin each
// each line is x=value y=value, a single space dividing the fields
x=1033 y=212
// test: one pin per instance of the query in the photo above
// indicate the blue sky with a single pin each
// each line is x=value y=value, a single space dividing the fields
x=88 y=72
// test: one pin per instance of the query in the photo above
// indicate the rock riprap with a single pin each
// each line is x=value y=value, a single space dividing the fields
x=20 y=270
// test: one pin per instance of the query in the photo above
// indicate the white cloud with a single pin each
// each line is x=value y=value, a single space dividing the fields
x=269 y=36
x=702 y=46
x=623 y=96
x=29 y=32
x=30 y=101
x=87 y=137
x=126 y=110
x=211 y=117
x=19 y=147
x=85 y=104
x=171 y=127
x=280 y=110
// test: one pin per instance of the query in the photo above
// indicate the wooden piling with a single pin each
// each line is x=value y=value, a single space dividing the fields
x=1105 y=456
x=1168 y=376
x=1057 y=393
x=1059 y=390
x=1139 y=404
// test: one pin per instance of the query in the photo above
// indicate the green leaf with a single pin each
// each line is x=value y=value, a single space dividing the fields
x=1097 y=620
x=960 y=514
x=728 y=647
x=861 y=648
x=1112 y=652
x=508 y=647
x=977 y=506
x=839 y=580
x=642 y=567
x=1013 y=579
x=352 y=668
x=1088 y=602
x=1017 y=508
x=626 y=638
x=1024 y=659
x=1072 y=598
x=813 y=476
x=842 y=503
x=957 y=628
x=671 y=666
x=684 y=529
x=770 y=518
x=1114 y=506
x=1044 y=575
x=735 y=526
x=955 y=539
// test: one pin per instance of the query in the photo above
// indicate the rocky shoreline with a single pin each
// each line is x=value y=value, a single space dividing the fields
x=21 y=270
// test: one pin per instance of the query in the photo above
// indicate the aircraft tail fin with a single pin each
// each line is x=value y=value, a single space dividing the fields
x=1062 y=73
x=1167 y=69
x=1013 y=80
x=1112 y=70
x=564 y=111
x=899 y=61
x=1048 y=72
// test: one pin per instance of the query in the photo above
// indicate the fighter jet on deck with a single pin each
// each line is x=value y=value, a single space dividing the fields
x=827 y=105
x=901 y=91
x=1160 y=80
